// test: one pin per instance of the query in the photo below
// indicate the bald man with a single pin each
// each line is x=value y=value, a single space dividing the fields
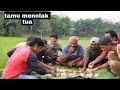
x=72 y=53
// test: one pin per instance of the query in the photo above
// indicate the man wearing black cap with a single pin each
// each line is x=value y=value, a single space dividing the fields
x=107 y=44
x=103 y=55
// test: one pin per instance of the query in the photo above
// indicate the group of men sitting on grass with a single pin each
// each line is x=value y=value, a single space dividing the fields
x=38 y=55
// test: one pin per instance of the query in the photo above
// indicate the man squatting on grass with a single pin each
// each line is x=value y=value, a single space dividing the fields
x=24 y=57
x=92 y=52
x=103 y=55
x=113 y=49
x=42 y=56
x=72 y=53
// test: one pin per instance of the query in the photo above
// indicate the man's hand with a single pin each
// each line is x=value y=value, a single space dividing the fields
x=91 y=64
x=71 y=63
x=51 y=46
x=71 y=50
x=94 y=71
x=53 y=73
x=53 y=69
x=83 y=70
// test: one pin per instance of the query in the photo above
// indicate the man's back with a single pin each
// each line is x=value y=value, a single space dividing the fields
x=17 y=63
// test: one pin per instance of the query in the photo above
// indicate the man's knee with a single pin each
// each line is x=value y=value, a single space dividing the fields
x=59 y=59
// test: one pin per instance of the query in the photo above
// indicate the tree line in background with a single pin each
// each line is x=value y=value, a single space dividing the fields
x=56 y=25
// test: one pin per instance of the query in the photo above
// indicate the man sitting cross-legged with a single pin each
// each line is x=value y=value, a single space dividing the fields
x=72 y=53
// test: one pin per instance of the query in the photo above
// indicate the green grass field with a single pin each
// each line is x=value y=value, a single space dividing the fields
x=6 y=44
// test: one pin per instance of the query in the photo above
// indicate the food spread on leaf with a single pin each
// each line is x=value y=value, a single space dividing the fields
x=76 y=73
x=61 y=72
x=89 y=73
x=66 y=73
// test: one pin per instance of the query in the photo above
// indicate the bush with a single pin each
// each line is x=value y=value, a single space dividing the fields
x=3 y=32
x=11 y=32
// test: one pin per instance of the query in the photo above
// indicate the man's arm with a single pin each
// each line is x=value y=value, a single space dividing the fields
x=86 y=57
x=101 y=57
x=105 y=65
x=33 y=63
x=80 y=52
x=47 y=66
x=71 y=63
x=98 y=59
x=85 y=64
x=77 y=59
x=65 y=54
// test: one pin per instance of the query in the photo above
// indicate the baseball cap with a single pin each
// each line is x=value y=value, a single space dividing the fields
x=94 y=40
x=106 y=40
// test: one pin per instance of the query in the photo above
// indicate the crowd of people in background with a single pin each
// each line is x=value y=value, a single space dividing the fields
x=41 y=56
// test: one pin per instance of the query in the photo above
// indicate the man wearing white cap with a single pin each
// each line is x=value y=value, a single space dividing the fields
x=92 y=52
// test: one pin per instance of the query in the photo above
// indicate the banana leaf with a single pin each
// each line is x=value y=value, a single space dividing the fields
x=103 y=74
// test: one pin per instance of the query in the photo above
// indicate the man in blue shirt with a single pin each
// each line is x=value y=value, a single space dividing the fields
x=72 y=53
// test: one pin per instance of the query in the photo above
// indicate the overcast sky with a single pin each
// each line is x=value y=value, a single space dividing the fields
x=113 y=16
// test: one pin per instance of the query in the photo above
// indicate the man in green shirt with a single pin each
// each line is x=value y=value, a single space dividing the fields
x=92 y=52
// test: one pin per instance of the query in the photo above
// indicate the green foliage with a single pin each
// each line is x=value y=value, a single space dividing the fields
x=3 y=32
x=60 y=25
x=95 y=27
x=11 y=32
x=57 y=25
